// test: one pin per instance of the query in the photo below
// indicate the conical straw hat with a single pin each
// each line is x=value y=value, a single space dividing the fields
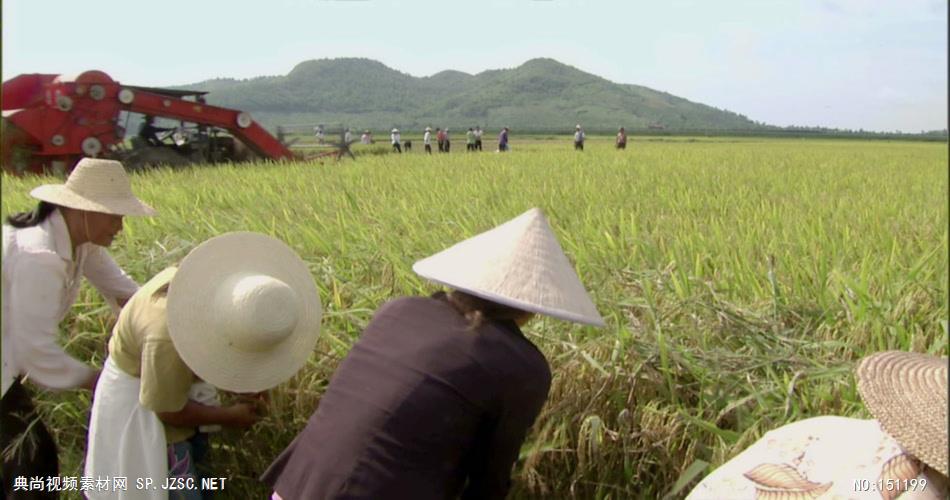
x=519 y=264
x=243 y=312
x=95 y=185
x=907 y=393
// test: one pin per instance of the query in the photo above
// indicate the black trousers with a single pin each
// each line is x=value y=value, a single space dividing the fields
x=441 y=146
x=478 y=144
x=447 y=146
x=28 y=448
x=621 y=145
x=579 y=145
x=429 y=148
x=397 y=148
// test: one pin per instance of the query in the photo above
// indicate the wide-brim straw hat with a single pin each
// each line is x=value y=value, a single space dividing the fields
x=243 y=312
x=519 y=264
x=907 y=393
x=95 y=185
x=395 y=130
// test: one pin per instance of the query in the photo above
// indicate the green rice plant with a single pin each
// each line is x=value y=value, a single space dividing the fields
x=741 y=280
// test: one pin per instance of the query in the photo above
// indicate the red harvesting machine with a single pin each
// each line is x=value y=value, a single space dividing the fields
x=51 y=121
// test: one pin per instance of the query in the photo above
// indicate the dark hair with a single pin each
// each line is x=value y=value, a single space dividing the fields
x=477 y=310
x=32 y=218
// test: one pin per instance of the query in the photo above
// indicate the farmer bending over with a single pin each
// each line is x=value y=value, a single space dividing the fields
x=435 y=398
x=241 y=313
x=904 y=446
x=46 y=253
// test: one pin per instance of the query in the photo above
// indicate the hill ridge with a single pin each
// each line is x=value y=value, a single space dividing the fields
x=541 y=93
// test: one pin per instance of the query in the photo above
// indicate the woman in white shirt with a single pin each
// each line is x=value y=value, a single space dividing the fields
x=46 y=252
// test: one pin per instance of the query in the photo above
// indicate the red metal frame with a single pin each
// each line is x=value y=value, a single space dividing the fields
x=47 y=118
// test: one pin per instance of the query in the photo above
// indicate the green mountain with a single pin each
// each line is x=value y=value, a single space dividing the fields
x=541 y=94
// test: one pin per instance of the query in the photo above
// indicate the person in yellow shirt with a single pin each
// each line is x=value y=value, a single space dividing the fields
x=241 y=313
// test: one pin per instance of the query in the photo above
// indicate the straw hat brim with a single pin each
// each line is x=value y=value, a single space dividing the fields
x=195 y=328
x=907 y=393
x=519 y=263
x=512 y=302
x=59 y=194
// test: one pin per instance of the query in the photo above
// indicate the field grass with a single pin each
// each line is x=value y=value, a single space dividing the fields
x=740 y=279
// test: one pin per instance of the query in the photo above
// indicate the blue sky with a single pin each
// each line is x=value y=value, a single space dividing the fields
x=877 y=65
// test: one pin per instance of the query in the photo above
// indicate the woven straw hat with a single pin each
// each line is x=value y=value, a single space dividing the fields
x=907 y=393
x=519 y=264
x=95 y=185
x=243 y=312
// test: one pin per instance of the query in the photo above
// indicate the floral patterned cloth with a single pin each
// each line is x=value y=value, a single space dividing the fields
x=823 y=458
x=183 y=458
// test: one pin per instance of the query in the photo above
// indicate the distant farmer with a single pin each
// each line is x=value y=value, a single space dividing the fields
x=503 y=140
x=903 y=449
x=436 y=397
x=470 y=140
x=366 y=138
x=448 y=144
x=347 y=136
x=478 y=138
x=318 y=133
x=242 y=313
x=427 y=140
x=440 y=138
x=622 y=139
x=396 y=139
x=578 y=138
x=407 y=145
x=46 y=254
x=148 y=132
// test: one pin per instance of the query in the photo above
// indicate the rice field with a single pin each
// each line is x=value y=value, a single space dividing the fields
x=741 y=279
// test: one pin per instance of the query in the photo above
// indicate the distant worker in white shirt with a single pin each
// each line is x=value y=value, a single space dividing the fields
x=478 y=138
x=578 y=138
x=396 y=139
x=427 y=140
x=46 y=253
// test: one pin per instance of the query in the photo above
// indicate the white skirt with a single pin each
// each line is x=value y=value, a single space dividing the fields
x=125 y=440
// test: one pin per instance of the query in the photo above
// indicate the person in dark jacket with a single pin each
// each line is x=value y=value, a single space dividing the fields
x=437 y=396
x=503 y=140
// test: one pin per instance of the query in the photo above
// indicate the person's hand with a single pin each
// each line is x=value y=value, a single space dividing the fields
x=91 y=382
x=258 y=399
x=241 y=415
